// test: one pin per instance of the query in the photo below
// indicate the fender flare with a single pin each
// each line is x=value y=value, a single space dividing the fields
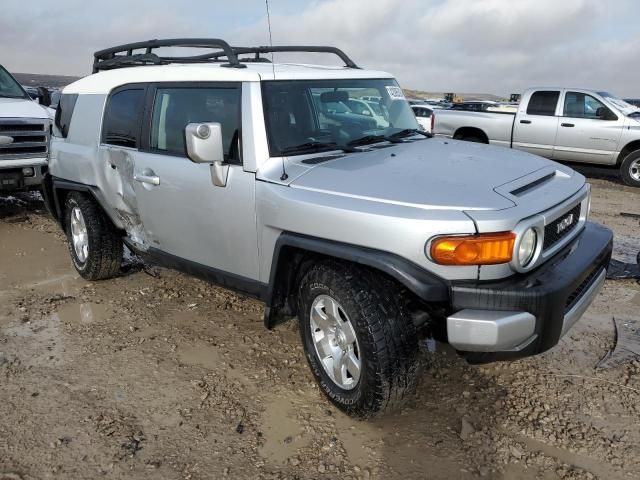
x=427 y=286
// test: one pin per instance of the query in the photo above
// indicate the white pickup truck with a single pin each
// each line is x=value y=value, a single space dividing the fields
x=24 y=137
x=564 y=124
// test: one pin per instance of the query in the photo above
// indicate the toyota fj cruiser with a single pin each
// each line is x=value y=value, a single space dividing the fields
x=250 y=174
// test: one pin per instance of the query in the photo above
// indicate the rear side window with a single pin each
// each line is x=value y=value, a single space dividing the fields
x=175 y=108
x=64 y=112
x=122 y=118
x=543 y=103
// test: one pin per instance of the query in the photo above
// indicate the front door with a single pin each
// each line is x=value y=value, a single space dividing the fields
x=183 y=213
x=588 y=132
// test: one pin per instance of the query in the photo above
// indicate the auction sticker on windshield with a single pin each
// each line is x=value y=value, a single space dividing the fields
x=395 y=92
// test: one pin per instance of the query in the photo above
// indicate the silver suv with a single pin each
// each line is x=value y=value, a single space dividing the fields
x=373 y=234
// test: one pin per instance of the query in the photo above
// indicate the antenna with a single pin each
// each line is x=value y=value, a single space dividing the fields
x=284 y=175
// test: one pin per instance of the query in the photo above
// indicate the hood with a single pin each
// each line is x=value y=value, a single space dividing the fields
x=21 y=108
x=431 y=173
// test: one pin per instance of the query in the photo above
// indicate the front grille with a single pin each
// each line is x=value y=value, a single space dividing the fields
x=577 y=293
x=560 y=227
x=28 y=138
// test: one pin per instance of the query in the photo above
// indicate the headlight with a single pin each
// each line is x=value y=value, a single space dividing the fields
x=527 y=247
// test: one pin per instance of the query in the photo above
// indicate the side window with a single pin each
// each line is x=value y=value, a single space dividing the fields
x=175 y=108
x=543 y=103
x=64 y=112
x=582 y=105
x=122 y=118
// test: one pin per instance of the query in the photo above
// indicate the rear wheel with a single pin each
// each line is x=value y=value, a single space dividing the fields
x=94 y=243
x=358 y=337
x=630 y=169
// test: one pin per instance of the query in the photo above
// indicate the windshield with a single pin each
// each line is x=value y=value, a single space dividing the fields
x=9 y=88
x=307 y=116
x=624 y=107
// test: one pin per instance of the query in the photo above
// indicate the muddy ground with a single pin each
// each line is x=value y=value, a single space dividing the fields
x=156 y=375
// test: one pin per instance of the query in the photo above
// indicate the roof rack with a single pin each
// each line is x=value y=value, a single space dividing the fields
x=124 y=56
x=288 y=49
x=109 y=58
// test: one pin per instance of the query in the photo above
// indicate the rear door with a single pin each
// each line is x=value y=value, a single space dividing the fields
x=176 y=208
x=536 y=123
x=589 y=131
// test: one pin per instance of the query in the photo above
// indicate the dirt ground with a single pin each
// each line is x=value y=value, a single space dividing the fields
x=156 y=375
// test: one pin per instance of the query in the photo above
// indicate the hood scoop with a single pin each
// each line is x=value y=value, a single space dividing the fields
x=523 y=190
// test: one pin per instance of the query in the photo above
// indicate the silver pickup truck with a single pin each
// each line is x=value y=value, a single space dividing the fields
x=564 y=124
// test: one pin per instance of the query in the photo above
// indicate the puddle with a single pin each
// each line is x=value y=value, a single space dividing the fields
x=283 y=433
x=82 y=313
x=39 y=342
x=31 y=257
x=357 y=438
x=203 y=355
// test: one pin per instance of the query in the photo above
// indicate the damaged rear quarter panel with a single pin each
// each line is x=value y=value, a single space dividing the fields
x=72 y=159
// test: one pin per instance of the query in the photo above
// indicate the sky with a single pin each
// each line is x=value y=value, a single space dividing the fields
x=479 y=46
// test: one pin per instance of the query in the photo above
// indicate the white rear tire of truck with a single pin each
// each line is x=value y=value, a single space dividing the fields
x=630 y=169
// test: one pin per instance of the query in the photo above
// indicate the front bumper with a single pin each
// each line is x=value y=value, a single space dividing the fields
x=528 y=313
x=14 y=178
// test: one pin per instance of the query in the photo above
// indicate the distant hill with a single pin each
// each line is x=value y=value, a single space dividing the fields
x=465 y=96
x=38 y=80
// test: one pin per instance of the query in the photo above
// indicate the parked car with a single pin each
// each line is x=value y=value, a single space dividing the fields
x=368 y=109
x=424 y=116
x=633 y=101
x=24 y=137
x=565 y=124
x=373 y=237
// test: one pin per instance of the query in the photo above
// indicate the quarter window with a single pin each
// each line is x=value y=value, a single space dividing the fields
x=64 y=112
x=543 y=103
x=122 y=118
x=175 y=108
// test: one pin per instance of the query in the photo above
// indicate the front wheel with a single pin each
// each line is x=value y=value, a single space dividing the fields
x=358 y=337
x=630 y=169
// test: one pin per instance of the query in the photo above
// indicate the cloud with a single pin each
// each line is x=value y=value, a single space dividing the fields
x=493 y=46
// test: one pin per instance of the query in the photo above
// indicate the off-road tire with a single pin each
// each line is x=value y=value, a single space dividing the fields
x=105 y=243
x=377 y=309
x=625 y=169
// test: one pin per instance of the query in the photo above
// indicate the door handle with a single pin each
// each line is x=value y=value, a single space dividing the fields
x=567 y=125
x=151 y=179
x=526 y=122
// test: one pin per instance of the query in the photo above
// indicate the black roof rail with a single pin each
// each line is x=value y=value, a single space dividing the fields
x=292 y=49
x=124 y=56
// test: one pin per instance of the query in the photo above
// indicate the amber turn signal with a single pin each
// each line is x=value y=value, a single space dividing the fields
x=482 y=249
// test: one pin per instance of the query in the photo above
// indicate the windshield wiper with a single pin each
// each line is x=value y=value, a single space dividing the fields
x=311 y=147
x=407 y=132
x=11 y=96
x=366 y=140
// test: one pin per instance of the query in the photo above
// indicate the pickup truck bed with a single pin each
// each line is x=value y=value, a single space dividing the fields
x=571 y=125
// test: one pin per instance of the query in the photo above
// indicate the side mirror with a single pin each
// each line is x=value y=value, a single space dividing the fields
x=44 y=97
x=204 y=145
x=603 y=113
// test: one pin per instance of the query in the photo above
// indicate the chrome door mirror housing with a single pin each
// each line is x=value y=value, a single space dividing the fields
x=204 y=145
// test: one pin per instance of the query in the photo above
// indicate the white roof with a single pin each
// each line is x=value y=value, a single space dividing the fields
x=104 y=82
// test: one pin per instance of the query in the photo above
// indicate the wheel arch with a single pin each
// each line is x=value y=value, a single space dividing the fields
x=465 y=132
x=294 y=253
x=58 y=190
x=626 y=150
